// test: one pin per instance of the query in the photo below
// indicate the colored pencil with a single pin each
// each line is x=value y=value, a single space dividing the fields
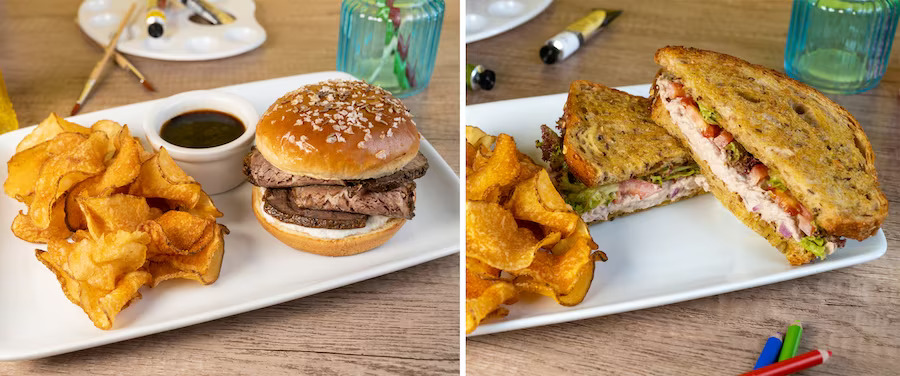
x=791 y=341
x=769 y=352
x=101 y=65
x=795 y=364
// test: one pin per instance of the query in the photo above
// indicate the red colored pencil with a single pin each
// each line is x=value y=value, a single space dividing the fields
x=795 y=364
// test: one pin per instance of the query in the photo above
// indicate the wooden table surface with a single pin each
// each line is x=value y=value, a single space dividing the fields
x=402 y=323
x=855 y=311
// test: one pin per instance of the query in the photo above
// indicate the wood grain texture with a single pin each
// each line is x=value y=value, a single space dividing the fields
x=855 y=312
x=402 y=323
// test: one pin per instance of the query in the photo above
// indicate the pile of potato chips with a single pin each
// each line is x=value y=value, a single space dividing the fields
x=520 y=233
x=134 y=217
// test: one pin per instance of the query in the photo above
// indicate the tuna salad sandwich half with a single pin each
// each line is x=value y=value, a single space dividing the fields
x=787 y=161
x=611 y=159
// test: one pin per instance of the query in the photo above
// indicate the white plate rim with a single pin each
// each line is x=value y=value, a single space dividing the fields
x=8 y=351
x=580 y=313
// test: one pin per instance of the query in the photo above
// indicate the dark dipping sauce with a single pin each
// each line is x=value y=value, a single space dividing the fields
x=202 y=129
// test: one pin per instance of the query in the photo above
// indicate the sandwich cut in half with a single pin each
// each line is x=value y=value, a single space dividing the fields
x=786 y=160
x=610 y=159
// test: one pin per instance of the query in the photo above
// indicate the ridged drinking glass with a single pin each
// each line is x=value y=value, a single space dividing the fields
x=840 y=46
x=390 y=43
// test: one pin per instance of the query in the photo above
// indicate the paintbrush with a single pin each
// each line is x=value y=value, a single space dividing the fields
x=123 y=62
x=101 y=65
x=126 y=64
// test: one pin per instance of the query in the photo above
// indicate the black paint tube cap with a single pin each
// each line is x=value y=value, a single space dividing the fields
x=155 y=30
x=487 y=79
x=549 y=54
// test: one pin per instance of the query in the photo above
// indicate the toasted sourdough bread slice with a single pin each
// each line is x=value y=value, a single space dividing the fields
x=610 y=137
x=820 y=150
x=791 y=249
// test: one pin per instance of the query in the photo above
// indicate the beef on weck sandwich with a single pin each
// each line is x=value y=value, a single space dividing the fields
x=787 y=161
x=611 y=159
x=334 y=167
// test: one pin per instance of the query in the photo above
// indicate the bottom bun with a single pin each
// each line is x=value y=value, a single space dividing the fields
x=347 y=246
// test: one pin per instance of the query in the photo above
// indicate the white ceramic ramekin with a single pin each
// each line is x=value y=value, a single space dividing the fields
x=217 y=169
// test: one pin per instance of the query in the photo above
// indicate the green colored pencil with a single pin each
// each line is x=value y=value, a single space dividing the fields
x=791 y=341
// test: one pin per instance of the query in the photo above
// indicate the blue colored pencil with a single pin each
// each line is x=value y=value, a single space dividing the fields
x=770 y=351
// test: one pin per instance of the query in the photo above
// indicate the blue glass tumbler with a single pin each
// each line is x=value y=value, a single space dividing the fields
x=390 y=43
x=840 y=46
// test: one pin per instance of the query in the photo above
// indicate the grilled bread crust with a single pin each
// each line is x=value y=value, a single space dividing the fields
x=609 y=136
x=792 y=250
x=820 y=150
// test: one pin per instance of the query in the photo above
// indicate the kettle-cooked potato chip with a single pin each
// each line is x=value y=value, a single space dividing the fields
x=478 y=138
x=179 y=233
x=23 y=228
x=101 y=276
x=123 y=168
x=138 y=218
x=112 y=130
x=573 y=297
x=101 y=262
x=52 y=126
x=493 y=237
x=561 y=268
x=204 y=264
x=24 y=167
x=511 y=201
x=205 y=274
x=62 y=171
x=205 y=208
x=500 y=170
x=537 y=201
x=161 y=177
x=484 y=297
x=480 y=268
x=113 y=213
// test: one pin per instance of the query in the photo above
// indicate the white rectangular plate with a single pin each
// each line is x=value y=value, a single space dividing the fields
x=691 y=249
x=37 y=320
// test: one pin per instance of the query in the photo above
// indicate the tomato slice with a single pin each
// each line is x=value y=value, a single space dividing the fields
x=787 y=202
x=637 y=187
x=678 y=90
x=758 y=173
x=711 y=131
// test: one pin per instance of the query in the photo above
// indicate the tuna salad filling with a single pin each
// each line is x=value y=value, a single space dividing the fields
x=601 y=203
x=761 y=189
x=634 y=195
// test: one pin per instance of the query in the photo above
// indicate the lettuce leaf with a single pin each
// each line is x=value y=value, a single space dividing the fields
x=734 y=151
x=776 y=182
x=673 y=173
x=814 y=244
x=708 y=114
x=584 y=199
x=550 y=145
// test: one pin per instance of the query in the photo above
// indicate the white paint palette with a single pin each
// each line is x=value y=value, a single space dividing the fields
x=183 y=39
x=487 y=18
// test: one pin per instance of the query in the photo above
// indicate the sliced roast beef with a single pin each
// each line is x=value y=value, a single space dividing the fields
x=413 y=170
x=399 y=202
x=278 y=204
x=263 y=174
